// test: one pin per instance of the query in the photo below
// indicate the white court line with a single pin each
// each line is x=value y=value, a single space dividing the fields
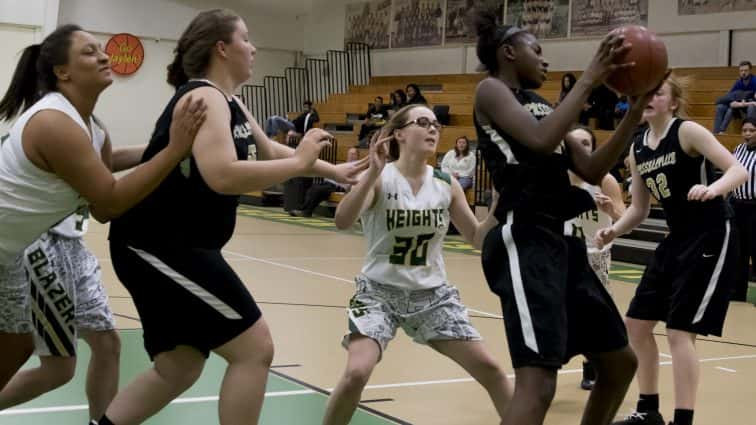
x=369 y=387
x=341 y=279
x=286 y=266
x=484 y=313
x=665 y=355
x=176 y=401
x=726 y=369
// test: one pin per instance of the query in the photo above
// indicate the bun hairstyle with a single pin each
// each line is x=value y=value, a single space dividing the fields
x=491 y=35
x=194 y=48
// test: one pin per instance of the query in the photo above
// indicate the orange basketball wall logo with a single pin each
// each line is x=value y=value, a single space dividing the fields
x=126 y=53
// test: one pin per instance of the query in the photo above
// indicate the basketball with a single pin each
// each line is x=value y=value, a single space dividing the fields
x=650 y=57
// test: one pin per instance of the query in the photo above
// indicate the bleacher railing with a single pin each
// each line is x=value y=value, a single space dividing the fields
x=483 y=182
x=318 y=79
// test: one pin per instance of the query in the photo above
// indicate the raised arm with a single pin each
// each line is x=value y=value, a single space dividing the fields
x=216 y=156
x=496 y=102
x=268 y=149
x=592 y=167
x=90 y=176
x=362 y=195
x=695 y=139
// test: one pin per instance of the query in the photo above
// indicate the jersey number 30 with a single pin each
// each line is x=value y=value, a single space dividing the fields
x=414 y=249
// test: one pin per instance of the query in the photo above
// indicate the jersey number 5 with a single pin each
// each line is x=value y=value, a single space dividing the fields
x=659 y=188
x=414 y=248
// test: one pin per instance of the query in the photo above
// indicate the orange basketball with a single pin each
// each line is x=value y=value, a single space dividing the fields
x=126 y=53
x=650 y=57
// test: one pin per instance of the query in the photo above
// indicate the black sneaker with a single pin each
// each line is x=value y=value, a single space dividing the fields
x=589 y=376
x=642 y=418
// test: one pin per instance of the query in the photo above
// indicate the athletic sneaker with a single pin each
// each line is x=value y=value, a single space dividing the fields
x=642 y=418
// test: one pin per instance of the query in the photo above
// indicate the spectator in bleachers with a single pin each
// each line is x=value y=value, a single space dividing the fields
x=620 y=109
x=375 y=117
x=600 y=105
x=414 y=95
x=739 y=99
x=460 y=163
x=307 y=119
x=568 y=81
x=276 y=124
x=320 y=192
x=398 y=100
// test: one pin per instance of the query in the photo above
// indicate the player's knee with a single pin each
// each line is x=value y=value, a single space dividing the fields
x=180 y=369
x=58 y=370
x=106 y=344
x=357 y=376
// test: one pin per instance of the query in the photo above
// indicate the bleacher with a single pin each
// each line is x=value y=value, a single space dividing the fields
x=457 y=91
x=342 y=111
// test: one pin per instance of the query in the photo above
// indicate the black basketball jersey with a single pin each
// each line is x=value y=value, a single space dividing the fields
x=184 y=210
x=669 y=173
x=529 y=182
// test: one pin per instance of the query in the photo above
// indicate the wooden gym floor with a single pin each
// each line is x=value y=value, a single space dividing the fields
x=300 y=271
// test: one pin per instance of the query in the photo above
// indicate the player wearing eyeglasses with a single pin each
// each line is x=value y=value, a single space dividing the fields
x=405 y=207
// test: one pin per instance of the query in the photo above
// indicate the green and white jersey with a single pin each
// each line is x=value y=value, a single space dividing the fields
x=587 y=224
x=405 y=231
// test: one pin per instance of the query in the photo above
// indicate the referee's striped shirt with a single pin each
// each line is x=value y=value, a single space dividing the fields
x=747 y=157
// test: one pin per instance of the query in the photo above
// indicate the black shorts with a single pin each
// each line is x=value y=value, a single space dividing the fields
x=689 y=281
x=553 y=303
x=184 y=296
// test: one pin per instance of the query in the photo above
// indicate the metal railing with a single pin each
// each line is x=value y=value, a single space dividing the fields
x=253 y=97
x=318 y=79
x=298 y=85
x=483 y=182
x=276 y=95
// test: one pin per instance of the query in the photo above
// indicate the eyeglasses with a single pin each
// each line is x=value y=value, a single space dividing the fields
x=424 y=123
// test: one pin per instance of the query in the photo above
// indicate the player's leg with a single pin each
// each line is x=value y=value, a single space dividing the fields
x=249 y=357
x=103 y=370
x=480 y=364
x=372 y=325
x=364 y=354
x=28 y=384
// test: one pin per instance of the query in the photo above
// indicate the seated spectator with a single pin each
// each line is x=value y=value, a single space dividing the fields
x=376 y=116
x=320 y=192
x=276 y=124
x=568 y=81
x=600 y=105
x=414 y=95
x=460 y=163
x=398 y=100
x=739 y=99
x=620 y=109
x=307 y=119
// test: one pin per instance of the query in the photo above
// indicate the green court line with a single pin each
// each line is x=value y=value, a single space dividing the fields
x=286 y=401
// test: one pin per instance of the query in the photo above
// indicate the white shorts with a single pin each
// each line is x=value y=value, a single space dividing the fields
x=66 y=292
x=15 y=312
x=376 y=310
x=600 y=261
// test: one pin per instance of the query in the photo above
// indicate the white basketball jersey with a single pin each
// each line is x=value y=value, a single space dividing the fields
x=31 y=199
x=405 y=231
x=76 y=225
x=587 y=224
